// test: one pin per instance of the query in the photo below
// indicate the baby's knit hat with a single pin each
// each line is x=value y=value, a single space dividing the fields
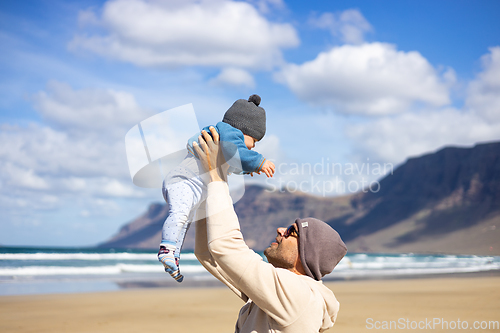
x=248 y=117
x=320 y=247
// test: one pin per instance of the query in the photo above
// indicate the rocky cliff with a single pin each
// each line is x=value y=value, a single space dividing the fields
x=444 y=202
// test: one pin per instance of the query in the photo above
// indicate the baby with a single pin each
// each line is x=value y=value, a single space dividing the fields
x=185 y=187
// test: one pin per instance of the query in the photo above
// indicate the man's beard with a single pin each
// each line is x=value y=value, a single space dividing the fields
x=275 y=258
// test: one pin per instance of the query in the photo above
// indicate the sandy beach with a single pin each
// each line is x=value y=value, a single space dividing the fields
x=365 y=306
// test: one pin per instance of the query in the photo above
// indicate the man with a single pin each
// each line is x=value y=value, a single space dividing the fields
x=284 y=295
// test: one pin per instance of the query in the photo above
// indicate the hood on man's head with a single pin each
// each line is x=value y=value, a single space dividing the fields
x=320 y=247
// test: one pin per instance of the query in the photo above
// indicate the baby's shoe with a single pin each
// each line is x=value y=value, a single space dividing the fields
x=166 y=255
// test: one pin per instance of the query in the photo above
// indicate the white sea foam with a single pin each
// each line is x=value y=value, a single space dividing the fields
x=91 y=270
x=361 y=265
x=363 y=273
x=88 y=256
x=26 y=264
x=78 y=256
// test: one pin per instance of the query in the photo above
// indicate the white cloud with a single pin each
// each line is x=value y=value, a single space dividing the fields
x=350 y=25
x=368 y=79
x=79 y=154
x=48 y=176
x=393 y=139
x=90 y=110
x=87 y=17
x=484 y=92
x=115 y=188
x=41 y=160
x=24 y=178
x=189 y=33
x=54 y=153
x=74 y=183
x=234 y=77
x=100 y=207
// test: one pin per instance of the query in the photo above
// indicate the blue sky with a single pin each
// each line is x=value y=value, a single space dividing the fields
x=357 y=83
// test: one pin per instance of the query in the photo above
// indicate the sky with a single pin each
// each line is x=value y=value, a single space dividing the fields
x=351 y=89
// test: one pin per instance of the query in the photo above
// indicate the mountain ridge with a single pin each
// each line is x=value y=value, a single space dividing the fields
x=442 y=202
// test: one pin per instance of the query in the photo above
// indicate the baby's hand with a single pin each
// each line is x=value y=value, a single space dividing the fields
x=268 y=168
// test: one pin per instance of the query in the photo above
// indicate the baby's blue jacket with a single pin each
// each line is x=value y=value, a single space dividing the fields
x=232 y=141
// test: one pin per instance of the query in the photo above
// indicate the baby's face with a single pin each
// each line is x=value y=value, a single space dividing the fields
x=249 y=141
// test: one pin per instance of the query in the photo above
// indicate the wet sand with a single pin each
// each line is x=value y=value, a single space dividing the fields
x=364 y=306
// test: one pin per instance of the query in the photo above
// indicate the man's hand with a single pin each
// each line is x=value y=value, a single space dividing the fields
x=268 y=168
x=209 y=153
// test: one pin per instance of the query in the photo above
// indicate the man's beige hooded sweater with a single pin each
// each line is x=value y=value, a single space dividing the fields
x=277 y=300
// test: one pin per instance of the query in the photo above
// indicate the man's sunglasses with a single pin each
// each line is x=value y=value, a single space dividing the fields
x=291 y=231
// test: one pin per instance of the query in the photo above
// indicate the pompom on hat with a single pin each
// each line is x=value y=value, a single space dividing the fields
x=248 y=117
x=320 y=247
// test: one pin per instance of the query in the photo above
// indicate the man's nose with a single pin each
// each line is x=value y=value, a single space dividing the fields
x=281 y=231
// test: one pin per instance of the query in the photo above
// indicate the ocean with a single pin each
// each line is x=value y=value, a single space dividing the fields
x=58 y=270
